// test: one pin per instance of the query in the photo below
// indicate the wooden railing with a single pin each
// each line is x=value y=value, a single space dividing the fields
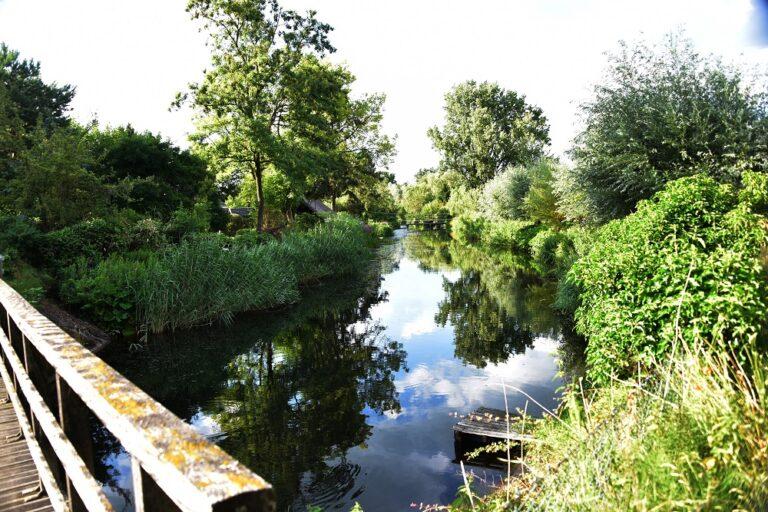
x=55 y=385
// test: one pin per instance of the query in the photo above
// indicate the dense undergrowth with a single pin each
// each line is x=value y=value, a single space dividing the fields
x=211 y=277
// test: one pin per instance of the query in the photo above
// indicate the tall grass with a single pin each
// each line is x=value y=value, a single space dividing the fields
x=210 y=278
x=694 y=436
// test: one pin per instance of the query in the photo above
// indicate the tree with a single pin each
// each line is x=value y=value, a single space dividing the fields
x=55 y=184
x=663 y=113
x=36 y=102
x=161 y=177
x=488 y=129
x=251 y=114
x=357 y=149
x=11 y=145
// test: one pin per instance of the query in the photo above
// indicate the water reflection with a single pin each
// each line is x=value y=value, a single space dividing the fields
x=346 y=397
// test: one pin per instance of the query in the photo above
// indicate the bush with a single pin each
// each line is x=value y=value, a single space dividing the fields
x=514 y=235
x=188 y=221
x=381 y=229
x=687 y=263
x=92 y=240
x=147 y=234
x=503 y=197
x=252 y=238
x=19 y=237
x=552 y=252
x=305 y=221
x=468 y=228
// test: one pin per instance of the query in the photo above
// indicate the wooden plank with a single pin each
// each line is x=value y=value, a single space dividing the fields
x=490 y=423
x=21 y=475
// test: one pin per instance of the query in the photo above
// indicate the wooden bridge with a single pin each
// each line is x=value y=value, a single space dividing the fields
x=430 y=223
x=51 y=387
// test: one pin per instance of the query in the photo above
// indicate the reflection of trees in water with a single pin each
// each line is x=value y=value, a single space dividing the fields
x=483 y=331
x=497 y=306
x=289 y=391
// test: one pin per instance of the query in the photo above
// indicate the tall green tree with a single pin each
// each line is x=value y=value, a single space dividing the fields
x=488 y=128
x=358 y=150
x=35 y=101
x=251 y=115
x=664 y=112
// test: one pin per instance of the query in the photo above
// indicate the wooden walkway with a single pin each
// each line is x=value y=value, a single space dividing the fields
x=19 y=481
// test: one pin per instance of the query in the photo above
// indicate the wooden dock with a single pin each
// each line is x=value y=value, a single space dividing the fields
x=488 y=423
x=20 y=488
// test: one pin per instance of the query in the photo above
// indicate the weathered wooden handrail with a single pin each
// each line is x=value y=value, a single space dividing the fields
x=174 y=467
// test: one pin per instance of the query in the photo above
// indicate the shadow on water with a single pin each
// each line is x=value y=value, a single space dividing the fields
x=347 y=396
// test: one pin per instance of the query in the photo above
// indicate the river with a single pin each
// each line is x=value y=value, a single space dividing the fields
x=350 y=395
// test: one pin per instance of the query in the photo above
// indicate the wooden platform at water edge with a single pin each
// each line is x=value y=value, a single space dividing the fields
x=490 y=424
x=20 y=488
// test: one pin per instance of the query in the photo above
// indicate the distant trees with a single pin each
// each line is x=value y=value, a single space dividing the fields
x=487 y=129
x=662 y=113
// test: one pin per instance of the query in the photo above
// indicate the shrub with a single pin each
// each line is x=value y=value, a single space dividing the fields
x=503 y=197
x=305 y=221
x=381 y=229
x=687 y=263
x=468 y=228
x=252 y=237
x=512 y=235
x=91 y=239
x=187 y=221
x=106 y=293
x=19 y=237
x=147 y=234
x=552 y=252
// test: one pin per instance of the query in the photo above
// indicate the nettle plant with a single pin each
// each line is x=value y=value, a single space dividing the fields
x=689 y=263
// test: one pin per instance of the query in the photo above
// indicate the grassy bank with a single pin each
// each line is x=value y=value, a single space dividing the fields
x=208 y=278
x=693 y=437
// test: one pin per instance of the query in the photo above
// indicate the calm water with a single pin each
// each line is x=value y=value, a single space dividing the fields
x=348 y=396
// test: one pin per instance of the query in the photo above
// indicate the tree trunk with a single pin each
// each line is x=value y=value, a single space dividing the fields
x=260 y=196
x=333 y=201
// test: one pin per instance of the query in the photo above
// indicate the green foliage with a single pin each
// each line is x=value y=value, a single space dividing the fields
x=468 y=228
x=381 y=229
x=107 y=292
x=55 y=184
x=503 y=197
x=91 y=240
x=754 y=191
x=541 y=202
x=513 y=235
x=691 y=439
x=188 y=221
x=552 y=252
x=159 y=176
x=35 y=102
x=688 y=263
x=19 y=237
x=488 y=129
x=665 y=113
x=209 y=277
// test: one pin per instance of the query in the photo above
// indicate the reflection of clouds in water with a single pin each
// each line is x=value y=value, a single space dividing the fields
x=424 y=323
x=459 y=386
x=204 y=424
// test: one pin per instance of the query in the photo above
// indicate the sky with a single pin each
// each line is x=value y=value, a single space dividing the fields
x=128 y=59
